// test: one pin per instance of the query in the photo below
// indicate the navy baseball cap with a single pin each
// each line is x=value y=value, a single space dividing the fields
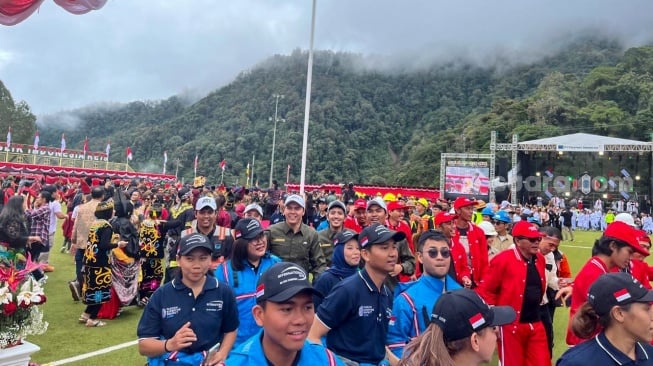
x=193 y=241
x=616 y=289
x=247 y=228
x=462 y=312
x=344 y=236
x=378 y=234
x=282 y=281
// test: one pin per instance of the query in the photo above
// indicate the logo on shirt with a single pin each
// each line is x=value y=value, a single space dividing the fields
x=214 y=305
x=365 y=310
x=170 y=312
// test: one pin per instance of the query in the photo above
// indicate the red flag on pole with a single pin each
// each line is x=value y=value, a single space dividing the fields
x=223 y=164
x=129 y=153
x=85 y=148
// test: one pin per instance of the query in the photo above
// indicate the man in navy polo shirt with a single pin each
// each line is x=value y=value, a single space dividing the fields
x=190 y=314
x=354 y=317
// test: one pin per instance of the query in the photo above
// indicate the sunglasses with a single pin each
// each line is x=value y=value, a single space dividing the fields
x=532 y=240
x=444 y=252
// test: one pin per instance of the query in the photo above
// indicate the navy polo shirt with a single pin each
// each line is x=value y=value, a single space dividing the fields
x=599 y=351
x=357 y=314
x=212 y=314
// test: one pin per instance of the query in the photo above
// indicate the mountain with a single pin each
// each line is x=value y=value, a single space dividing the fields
x=369 y=125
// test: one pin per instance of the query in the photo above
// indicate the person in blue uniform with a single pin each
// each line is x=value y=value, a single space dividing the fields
x=621 y=305
x=188 y=316
x=355 y=315
x=462 y=331
x=414 y=300
x=250 y=259
x=346 y=258
x=284 y=308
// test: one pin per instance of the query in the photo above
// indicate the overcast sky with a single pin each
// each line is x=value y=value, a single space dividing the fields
x=136 y=49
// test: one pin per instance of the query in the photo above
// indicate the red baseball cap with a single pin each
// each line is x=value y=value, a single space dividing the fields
x=360 y=204
x=643 y=236
x=463 y=202
x=443 y=217
x=396 y=205
x=525 y=229
x=626 y=233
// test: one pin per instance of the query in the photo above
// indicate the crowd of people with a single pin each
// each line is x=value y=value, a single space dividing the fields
x=242 y=277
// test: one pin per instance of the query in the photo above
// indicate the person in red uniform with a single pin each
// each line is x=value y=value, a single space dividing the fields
x=613 y=250
x=396 y=210
x=638 y=267
x=458 y=269
x=516 y=278
x=357 y=220
x=471 y=238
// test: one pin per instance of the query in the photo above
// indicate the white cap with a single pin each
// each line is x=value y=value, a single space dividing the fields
x=254 y=206
x=377 y=201
x=297 y=199
x=206 y=201
x=625 y=217
x=488 y=228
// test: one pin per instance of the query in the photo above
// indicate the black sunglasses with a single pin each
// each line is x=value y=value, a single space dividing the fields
x=532 y=240
x=444 y=252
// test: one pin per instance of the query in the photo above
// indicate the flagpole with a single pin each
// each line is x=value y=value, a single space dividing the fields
x=307 y=107
x=222 y=177
x=252 y=180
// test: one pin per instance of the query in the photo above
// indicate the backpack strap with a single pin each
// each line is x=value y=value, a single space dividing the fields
x=330 y=357
x=414 y=309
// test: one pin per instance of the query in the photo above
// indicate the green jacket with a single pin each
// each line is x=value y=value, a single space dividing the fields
x=326 y=238
x=302 y=248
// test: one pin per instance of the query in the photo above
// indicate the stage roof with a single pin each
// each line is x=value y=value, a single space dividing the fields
x=581 y=142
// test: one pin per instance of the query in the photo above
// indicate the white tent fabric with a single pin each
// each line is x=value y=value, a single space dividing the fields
x=585 y=138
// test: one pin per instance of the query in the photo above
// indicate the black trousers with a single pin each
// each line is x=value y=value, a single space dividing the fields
x=547 y=321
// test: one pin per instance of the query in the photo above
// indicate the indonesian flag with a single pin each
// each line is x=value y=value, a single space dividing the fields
x=260 y=290
x=9 y=137
x=36 y=140
x=223 y=164
x=63 y=142
x=85 y=148
x=165 y=157
x=129 y=153
x=108 y=148
x=622 y=295
x=195 y=164
x=476 y=321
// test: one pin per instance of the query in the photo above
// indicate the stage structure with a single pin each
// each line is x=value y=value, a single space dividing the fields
x=621 y=156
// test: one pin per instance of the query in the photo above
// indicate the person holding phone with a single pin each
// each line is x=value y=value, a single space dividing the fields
x=189 y=315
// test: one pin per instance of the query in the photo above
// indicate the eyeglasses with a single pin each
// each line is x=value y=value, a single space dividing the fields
x=532 y=240
x=444 y=252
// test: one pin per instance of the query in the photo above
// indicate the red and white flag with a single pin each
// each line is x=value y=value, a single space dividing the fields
x=108 y=150
x=476 y=321
x=9 y=137
x=129 y=153
x=223 y=164
x=63 y=142
x=85 y=148
x=36 y=140
x=195 y=164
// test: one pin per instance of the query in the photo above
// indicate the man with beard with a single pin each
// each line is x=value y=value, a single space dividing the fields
x=470 y=237
x=516 y=277
x=412 y=305
x=296 y=242
x=354 y=316
x=335 y=217
x=377 y=214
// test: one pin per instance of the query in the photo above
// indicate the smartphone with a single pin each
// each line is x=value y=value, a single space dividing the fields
x=210 y=354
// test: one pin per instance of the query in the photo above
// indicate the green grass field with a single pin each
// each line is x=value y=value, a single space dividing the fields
x=66 y=338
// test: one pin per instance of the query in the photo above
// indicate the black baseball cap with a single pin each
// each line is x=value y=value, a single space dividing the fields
x=462 y=312
x=193 y=241
x=282 y=281
x=616 y=289
x=247 y=228
x=344 y=236
x=378 y=234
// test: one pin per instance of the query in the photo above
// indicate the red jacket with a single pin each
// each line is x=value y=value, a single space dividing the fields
x=504 y=282
x=592 y=270
x=477 y=251
x=459 y=258
x=351 y=224
x=639 y=270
